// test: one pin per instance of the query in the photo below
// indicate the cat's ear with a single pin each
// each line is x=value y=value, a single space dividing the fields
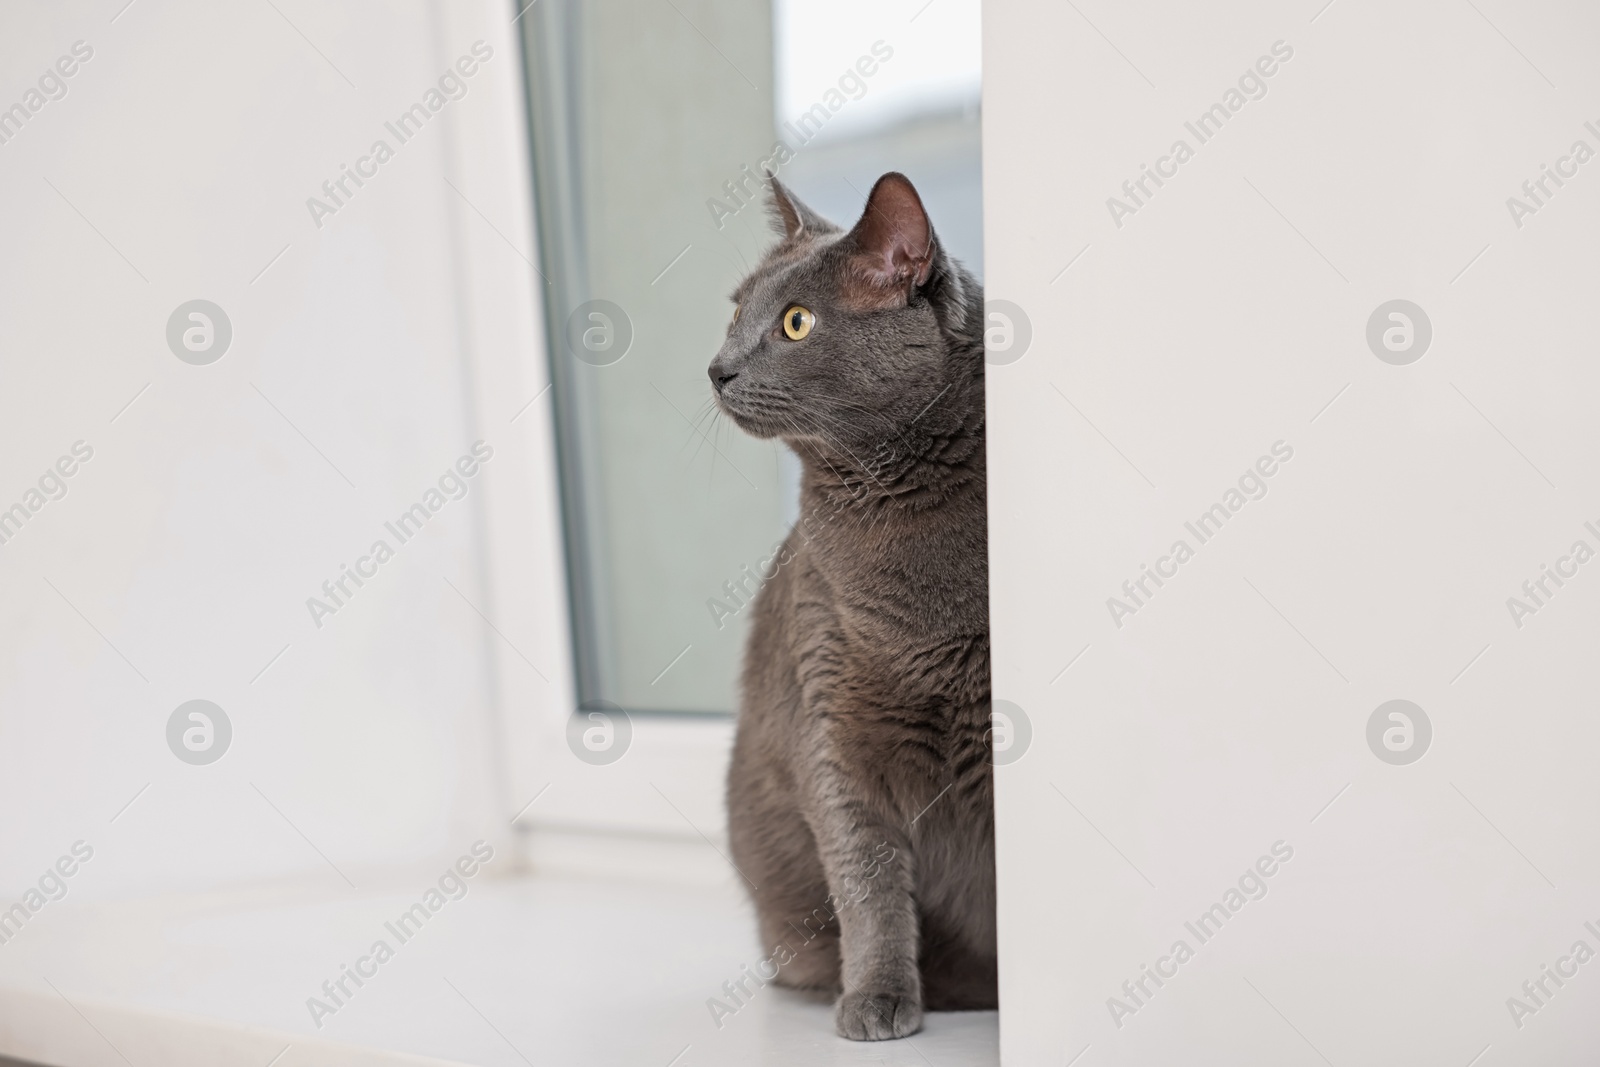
x=894 y=244
x=791 y=218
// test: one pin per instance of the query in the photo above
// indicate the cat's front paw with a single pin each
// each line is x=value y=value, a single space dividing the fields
x=867 y=1016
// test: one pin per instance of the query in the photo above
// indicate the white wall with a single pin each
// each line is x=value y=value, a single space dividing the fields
x=1231 y=711
x=368 y=353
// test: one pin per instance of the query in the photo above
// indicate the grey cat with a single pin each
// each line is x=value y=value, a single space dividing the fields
x=860 y=797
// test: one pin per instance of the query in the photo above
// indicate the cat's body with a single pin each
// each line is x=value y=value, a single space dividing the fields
x=860 y=793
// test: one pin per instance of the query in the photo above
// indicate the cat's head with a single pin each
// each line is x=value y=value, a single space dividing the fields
x=843 y=339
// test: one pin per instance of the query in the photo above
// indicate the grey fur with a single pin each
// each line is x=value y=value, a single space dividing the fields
x=860 y=797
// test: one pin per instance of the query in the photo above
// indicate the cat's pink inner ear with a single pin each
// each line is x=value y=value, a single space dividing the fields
x=894 y=239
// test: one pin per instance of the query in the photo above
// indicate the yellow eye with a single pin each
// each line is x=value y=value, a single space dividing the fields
x=797 y=322
x=736 y=308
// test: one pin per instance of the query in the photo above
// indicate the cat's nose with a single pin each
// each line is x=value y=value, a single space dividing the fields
x=720 y=375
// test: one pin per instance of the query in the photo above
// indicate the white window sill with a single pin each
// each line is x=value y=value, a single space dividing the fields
x=542 y=969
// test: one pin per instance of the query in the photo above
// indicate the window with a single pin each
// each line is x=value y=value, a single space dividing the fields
x=650 y=125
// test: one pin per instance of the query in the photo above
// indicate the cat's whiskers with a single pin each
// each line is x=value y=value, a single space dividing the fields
x=873 y=415
x=711 y=480
x=698 y=433
x=824 y=419
x=821 y=431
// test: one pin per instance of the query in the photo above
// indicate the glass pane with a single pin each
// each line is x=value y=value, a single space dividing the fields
x=651 y=126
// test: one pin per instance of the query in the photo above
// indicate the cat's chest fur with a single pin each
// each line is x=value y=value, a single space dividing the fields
x=891 y=635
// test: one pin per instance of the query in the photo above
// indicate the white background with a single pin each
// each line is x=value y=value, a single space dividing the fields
x=388 y=340
x=1224 y=316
